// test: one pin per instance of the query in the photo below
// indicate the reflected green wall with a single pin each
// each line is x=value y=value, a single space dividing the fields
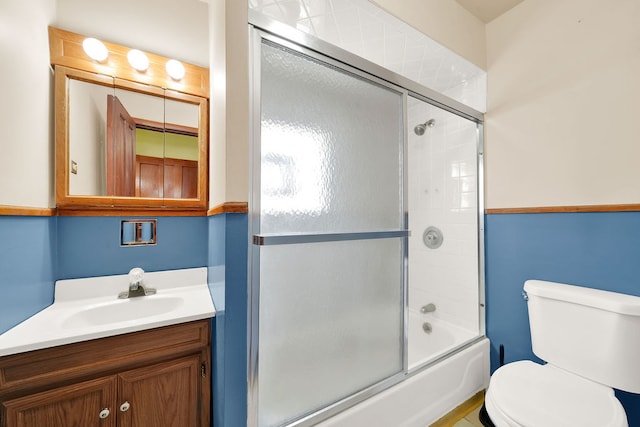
x=172 y=145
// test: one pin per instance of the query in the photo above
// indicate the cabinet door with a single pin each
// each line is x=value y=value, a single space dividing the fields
x=77 y=405
x=166 y=394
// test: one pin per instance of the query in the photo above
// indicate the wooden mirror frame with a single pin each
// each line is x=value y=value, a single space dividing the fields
x=70 y=61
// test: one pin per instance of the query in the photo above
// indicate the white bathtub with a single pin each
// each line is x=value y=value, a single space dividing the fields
x=425 y=347
x=426 y=395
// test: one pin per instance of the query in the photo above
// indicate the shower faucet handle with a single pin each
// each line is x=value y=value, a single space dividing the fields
x=429 y=308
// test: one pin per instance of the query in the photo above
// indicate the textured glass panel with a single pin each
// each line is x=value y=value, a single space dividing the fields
x=331 y=147
x=330 y=323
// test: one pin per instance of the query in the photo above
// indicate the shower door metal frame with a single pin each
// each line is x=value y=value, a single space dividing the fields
x=257 y=239
x=262 y=27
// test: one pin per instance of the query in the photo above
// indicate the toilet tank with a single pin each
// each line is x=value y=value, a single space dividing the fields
x=590 y=332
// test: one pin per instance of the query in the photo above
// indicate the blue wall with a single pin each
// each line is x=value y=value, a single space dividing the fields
x=596 y=250
x=90 y=246
x=228 y=249
x=37 y=251
x=215 y=275
x=27 y=267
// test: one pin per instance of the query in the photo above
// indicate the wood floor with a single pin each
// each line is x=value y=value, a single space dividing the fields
x=465 y=415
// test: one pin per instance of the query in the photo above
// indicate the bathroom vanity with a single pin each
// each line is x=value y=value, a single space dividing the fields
x=94 y=359
x=158 y=377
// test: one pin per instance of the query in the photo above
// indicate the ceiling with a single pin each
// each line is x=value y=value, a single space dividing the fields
x=488 y=10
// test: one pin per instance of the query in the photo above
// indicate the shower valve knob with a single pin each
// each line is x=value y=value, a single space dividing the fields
x=432 y=237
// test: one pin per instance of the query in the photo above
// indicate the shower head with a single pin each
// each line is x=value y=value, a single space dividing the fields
x=419 y=129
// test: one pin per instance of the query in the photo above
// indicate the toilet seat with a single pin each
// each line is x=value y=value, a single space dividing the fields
x=526 y=394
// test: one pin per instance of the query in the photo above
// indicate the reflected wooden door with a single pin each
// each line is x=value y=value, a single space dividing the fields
x=180 y=179
x=121 y=150
x=149 y=180
x=168 y=178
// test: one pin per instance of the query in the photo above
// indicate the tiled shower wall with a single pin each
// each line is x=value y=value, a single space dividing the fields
x=442 y=192
x=364 y=29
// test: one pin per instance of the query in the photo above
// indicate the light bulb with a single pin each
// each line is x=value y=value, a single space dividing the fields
x=95 y=49
x=138 y=60
x=175 y=69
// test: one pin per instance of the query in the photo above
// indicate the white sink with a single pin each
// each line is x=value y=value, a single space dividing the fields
x=89 y=308
x=122 y=310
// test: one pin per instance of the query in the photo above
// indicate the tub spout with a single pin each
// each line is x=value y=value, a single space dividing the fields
x=431 y=307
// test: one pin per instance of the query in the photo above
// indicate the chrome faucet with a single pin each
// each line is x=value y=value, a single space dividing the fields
x=136 y=289
x=431 y=307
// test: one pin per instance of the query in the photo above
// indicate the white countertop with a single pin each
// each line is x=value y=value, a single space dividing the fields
x=89 y=308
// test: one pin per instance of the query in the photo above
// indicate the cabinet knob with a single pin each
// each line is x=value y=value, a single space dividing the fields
x=104 y=413
x=125 y=407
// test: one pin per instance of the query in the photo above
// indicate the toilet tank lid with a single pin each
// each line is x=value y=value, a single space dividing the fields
x=604 y=300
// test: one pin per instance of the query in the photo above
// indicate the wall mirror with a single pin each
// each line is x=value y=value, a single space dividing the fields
x=123 y=143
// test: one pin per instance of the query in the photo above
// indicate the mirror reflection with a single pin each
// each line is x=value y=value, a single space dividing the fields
x=125 y=143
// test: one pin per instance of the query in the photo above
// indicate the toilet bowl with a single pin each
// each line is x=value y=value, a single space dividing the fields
x=590 y=341
x=526 y=394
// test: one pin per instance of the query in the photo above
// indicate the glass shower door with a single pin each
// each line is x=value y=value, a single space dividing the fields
x=329 y=234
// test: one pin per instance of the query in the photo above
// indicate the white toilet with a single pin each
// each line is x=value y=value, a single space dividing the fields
x=590 y=340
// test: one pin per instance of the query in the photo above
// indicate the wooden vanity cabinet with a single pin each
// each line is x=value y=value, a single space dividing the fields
x=74 y=405
x=159 y=377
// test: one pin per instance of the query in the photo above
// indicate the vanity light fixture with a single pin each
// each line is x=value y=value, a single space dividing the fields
x=175 y=69
x=95 y=49
x=138 y=60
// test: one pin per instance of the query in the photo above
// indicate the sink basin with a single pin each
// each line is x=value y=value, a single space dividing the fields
x=122 y=310
x=88 y=308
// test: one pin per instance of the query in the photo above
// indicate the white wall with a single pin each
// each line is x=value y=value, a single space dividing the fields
x=26 y=118
x=562 y=121
x=87 y=135
x=229 y=122
x=175 y=29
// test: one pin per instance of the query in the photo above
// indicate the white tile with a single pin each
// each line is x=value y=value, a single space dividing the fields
x=317 y=8
x=374 y=52
x=350 y=35
x=306 y=26
x=292 y=10
x=257 y=4
x=346 y=16
x=394 y=49
x=418 y=297
x=272 y=10
x=326 y=28
x=440 y=69
x=372 y=30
